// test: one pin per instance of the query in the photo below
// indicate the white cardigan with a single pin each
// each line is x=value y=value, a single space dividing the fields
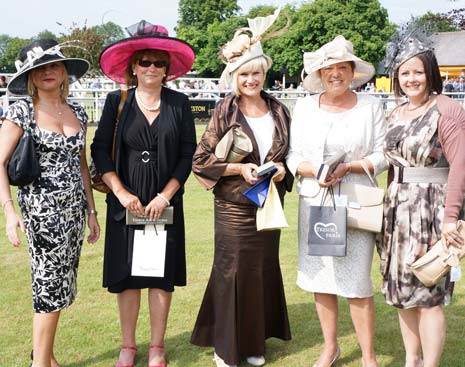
x=361 y=129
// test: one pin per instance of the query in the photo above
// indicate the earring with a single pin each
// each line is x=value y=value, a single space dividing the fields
x=134 y=73
x=164 y=75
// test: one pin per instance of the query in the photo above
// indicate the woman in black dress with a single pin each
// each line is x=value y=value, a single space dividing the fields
x=155 y=141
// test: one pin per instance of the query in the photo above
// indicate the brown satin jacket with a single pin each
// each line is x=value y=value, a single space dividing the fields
x=209 y=170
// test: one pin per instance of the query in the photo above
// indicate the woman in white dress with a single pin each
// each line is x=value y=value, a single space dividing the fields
x=332 y=120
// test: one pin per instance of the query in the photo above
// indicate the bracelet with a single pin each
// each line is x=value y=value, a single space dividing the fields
x=92 y=211
x=6 y=202
x=164 y=198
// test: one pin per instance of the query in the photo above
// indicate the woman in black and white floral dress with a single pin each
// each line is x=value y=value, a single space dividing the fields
x=53 y=206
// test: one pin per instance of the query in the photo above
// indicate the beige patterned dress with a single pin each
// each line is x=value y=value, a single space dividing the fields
x=413 y=212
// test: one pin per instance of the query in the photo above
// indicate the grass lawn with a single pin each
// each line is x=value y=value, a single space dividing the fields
x=88 y=333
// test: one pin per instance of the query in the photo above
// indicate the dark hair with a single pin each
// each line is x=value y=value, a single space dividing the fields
x=131 y=80
x=433 y=75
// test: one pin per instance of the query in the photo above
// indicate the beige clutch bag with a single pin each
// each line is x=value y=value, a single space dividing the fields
x=234 y=146
x=436 y=263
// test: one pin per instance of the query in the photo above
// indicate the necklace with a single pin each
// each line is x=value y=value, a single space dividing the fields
x=417 y=107
x=148 y=108
x=56 y=109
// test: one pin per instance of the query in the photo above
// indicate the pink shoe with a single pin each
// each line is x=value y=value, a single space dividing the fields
x=118 y=364
x=159 y=347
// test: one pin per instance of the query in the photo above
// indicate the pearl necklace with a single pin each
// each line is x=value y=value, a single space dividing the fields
x=148 y=108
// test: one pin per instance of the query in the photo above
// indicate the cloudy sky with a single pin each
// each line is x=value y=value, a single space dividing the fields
x=26 y=18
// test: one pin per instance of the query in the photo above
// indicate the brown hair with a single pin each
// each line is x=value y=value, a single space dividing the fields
x=131 y=79
x=433 y=75
x=32 y=88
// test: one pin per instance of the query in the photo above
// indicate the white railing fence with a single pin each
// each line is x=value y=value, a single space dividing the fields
x=94 y=99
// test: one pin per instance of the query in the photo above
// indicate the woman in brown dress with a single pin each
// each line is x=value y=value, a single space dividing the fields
x=425 y=138
x=244 y=302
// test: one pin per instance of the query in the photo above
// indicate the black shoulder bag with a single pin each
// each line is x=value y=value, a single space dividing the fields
x=23 y=167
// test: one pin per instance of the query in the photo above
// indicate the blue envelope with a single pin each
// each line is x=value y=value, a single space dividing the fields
x=257 y=193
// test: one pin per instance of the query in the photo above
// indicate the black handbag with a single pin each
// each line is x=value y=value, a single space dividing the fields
x=328 y=228
x=23 y=167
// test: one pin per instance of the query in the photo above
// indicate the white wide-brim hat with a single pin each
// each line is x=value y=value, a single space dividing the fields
x=334 y=52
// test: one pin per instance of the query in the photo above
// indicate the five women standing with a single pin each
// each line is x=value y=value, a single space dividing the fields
x=244 y=303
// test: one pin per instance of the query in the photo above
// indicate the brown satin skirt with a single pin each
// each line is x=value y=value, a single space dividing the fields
x=244 y=302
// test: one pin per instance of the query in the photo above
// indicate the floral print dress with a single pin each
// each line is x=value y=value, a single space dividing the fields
x=53 y=210
x=413 y=213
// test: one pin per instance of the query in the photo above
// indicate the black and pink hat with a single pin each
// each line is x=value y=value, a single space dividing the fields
x=144 y=35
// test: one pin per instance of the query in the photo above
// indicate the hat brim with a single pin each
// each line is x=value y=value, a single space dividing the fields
x=75 y=68
x=115 y=58
x=363 y=73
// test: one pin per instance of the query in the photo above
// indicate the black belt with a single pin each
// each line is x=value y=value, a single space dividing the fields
x=421 y=175
x=144 y=156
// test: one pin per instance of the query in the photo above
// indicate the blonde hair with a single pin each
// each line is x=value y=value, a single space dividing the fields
x=131 y=79
x=32 y=88
x=259 y=63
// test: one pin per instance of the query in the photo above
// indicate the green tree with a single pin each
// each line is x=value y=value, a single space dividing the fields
x=435 y=22
x=208 y=62
x=112 y=32
x=11 y=54
x=200 y=13
x=46 y=34
x=363 y=22
x=196 y=18
x=88 y=45
x=4 y=39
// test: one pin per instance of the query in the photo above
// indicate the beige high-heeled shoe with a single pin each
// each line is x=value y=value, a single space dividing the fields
x=335 y=358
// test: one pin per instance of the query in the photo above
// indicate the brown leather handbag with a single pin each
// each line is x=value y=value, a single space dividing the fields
x=436 y=263
x=96 y=178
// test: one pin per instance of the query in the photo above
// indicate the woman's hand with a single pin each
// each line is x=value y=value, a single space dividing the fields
x=336 y=176
x=281 y=173
x=155 y=208
x=450 y=236
x=94 y=228
x=130 y=202
x=247 y=172
x=13 y=221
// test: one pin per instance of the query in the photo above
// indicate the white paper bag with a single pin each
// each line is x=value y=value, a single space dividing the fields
x=148 y=254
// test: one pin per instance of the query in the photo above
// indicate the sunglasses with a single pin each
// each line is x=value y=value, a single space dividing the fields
x=156 y=63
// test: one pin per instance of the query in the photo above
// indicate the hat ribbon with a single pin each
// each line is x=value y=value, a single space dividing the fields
x=35 y=54
x=314 y=60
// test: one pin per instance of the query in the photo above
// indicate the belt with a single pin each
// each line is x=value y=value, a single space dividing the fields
x=144 y=156
x=421 y=175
